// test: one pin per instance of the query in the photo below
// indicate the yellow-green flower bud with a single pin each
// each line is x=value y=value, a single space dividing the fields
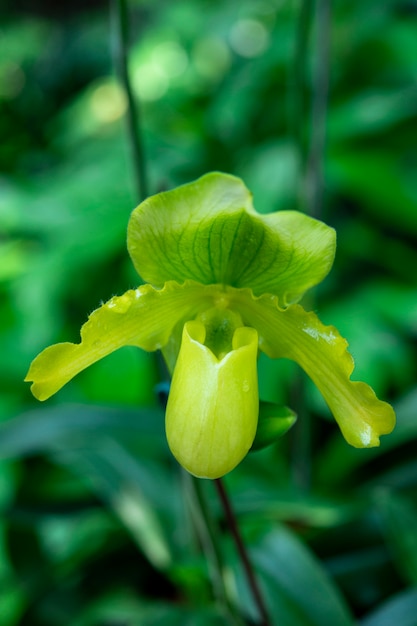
x=213 y=406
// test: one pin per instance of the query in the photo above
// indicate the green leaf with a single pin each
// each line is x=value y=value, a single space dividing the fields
x=51 y=428
x=382 y=185
x=399 y=517
x=292 y=507
x=298 y=590
x=117 y=476
x=345 y=461
x=372 y=111
x=208 y=231
x=125 y=607
x=274 y=421
x=401 y=609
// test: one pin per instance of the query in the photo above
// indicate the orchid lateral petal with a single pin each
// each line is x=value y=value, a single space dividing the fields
x=144 y=317
x=320 y=350
x=212 y=409
x=208 y=231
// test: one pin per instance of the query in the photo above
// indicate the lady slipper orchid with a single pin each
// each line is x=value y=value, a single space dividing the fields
x=223 y=283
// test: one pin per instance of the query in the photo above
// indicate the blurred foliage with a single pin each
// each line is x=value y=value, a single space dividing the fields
x=95 y=526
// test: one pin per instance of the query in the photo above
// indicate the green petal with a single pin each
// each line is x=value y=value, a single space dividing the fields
x=143 y=317
x=212 y=408
x=208 y=231
x=321 y=351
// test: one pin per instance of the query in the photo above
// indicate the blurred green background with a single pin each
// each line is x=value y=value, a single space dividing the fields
x=96 y=523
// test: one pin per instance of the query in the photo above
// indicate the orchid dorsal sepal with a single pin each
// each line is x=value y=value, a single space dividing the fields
x=212 y=410
x=274 y=422
x=208 y=231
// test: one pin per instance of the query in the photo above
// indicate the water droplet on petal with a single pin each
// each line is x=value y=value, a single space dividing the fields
x=120 y=304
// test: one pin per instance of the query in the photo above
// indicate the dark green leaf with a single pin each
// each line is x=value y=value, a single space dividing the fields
x=65 y=425
x=400 y=609
x=298 y=590
x=399 y=518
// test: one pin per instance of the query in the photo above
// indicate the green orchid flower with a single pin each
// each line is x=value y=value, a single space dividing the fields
x=224 y=282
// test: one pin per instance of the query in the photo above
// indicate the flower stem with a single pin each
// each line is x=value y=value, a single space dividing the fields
x=121 y=44
x=208 y=535
x=247 y=566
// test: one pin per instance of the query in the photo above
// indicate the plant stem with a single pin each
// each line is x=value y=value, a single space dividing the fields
x=208 y=535
x=121 y=44
x=237 y=537
x=297 y=95
x=301 y=433
x=314 y=173
x=310 y=183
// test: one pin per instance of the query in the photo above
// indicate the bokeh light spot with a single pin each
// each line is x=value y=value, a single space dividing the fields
x=12 y=80
x=211 y=58
x=108 y=103
x=249 y=38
